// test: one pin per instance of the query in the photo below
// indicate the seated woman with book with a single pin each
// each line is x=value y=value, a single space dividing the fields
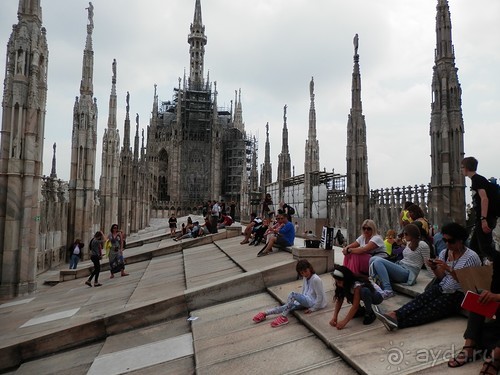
x=482 y=336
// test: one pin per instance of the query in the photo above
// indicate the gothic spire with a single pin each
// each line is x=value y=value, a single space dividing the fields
x=444 y=46
x=53 y=173
x=284 y=163
x=136 y=140
x=86 y=86
x=197 y=41
x=126 y=130
x=30 y=9
x=311 y=160
x=356 y=79
x=267 y=174
x=238 y=113
x=446 y=127
x=112 y=99
x=356 y=155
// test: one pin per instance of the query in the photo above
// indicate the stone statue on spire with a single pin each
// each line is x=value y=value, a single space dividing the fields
x=356 y=44
x=90 y=9
x=311 y=88
x=113 y=67
x=284 y=113
x=137 y=119
x=128 y=101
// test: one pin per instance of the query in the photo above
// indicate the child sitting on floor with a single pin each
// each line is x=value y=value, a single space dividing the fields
x=312 y=297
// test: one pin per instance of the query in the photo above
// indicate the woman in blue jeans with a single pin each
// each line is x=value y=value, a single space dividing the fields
x=406 y=270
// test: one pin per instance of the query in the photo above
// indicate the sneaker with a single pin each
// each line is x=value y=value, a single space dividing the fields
x=260 y=317
x=279 y=321
x=369 y=319
x=386 y=294
x=124 y=273
x=97 y=284
x=88 y=283
x=112 y=275
x=389 y=323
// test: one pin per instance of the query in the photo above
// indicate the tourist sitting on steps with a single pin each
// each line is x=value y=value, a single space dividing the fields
x=443 y=298
x=357 y=254
x=312 y=298
x=283 y=237
x=252 y=227
x=406 y=270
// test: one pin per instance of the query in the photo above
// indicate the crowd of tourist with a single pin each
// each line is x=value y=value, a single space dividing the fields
x=372 y=264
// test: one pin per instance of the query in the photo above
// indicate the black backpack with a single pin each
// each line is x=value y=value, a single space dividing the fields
x=291 y=210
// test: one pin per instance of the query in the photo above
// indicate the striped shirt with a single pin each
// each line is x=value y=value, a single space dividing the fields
x=469 y=259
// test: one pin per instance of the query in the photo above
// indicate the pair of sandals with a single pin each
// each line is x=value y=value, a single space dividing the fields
x=490 y=367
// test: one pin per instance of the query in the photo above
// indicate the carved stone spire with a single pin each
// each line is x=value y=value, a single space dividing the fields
x=311 y=160
x=83 y=147
x=284 y=163
x=53 y=173
x=87 y=85
x=126 y=126
x=110 y=165
x=197 y=41
x=238 y=113
x=446 y=127
x=267 y=172
x=21 y=155
x=357 y=156
x=136 y=139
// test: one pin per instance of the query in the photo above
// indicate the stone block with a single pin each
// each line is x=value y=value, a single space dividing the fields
x=322 y=260
x=233 y=231
x=227 y=289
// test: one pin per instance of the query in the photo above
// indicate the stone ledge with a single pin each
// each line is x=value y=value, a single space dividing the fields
x=322 y=260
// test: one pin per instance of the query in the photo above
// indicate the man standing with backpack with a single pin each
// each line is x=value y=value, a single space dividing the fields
x=484 y=201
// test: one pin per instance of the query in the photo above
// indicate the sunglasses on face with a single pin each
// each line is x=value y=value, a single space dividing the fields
x=451 y=241
x=367 y=228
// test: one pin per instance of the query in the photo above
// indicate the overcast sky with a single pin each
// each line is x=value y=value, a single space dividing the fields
x=271 y=49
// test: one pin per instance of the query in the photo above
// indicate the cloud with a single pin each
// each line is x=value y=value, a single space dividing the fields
x=270 y=49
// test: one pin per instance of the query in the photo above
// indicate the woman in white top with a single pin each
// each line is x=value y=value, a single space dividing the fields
x=406 y=270
x=311 y=299
x=357 y=254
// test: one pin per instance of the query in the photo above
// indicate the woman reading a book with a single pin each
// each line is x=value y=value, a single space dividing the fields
x=482 y=336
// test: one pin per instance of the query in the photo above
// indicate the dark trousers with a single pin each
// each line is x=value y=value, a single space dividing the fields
x=429 y=306
x=369 y=298
x=485 y=334
x=213 y=224
x=482 y=243
x=97 y=268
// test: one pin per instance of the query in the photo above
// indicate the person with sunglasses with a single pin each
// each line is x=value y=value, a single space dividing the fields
x=441 y=299
x=357 y=254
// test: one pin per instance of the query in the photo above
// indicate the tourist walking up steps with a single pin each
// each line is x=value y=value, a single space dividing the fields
x=116 y=260
x=483 y=201
x=311 y=299
x=95 y=249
